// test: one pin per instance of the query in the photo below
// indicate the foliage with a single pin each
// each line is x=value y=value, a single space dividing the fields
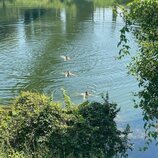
x=59 y=4
x=123 y=1
x=34 y=126
x=142 y=21
x=103 y=3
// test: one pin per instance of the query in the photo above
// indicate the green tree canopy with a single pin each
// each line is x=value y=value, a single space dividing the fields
x=142 y=20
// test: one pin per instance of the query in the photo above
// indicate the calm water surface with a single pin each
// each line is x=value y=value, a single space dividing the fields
x=32 y=41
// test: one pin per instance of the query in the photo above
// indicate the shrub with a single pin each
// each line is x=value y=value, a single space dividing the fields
x=37 y=127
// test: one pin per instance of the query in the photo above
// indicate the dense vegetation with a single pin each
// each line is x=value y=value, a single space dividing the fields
x=59 y=3
x=142 y=20
x=35 y=126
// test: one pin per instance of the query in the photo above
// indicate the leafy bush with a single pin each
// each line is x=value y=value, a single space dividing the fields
x=141 y=19
x=34 y=126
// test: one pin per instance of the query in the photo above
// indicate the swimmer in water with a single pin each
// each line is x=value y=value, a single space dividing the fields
x=66 y=58
x=69 y=74
x=86 y=95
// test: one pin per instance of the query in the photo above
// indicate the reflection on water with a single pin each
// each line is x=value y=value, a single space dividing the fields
x=32 y=42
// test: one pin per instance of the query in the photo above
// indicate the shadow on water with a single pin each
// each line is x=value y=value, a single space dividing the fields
x=44 y=67
x=48 y=27
x=27 y=23
x=32 y=14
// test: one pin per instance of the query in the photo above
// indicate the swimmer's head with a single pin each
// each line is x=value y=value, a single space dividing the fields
x=86 y=93
x=68 y=73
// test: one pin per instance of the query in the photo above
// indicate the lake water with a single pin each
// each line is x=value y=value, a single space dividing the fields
x=32 y=41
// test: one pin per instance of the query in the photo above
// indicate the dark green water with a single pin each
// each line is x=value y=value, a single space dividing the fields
x=32 y=41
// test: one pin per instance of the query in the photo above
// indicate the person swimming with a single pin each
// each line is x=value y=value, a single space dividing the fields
x=85 y=95
x=68 y=74
x=66 y=58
